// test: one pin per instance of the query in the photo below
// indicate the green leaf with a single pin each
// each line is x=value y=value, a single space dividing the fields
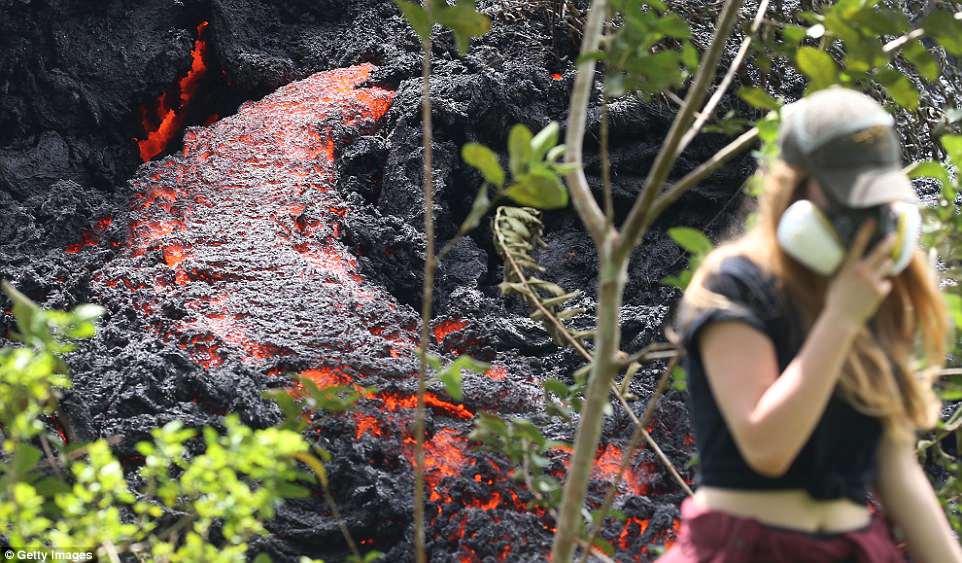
x=954 y=303
x=290 y=490
x=480 y=206
x=898 y=87
x=758 y=98
x=815 y=31
x=679 y=380
x=916 y=53
x=485 y=161
x=794 y=34
x=689 y=55
x=673 y=25
x=519 y=149
x=953 y=146
x=544 y=141
x=539 y=189
x=555 y=153
x=416 y=18
x=462 y=19
x=316 y=466
x=930 y=169
x=25 y=458
x=51 y=486
x=946 y=29
x=451 y=377
x=692 y=240
x=818 y=66
x=88 y=312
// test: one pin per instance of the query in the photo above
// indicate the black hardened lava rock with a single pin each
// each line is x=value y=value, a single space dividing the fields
x=243 y=217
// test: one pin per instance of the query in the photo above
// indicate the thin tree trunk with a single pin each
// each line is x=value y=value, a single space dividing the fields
x=426 y=297
x=611 y=285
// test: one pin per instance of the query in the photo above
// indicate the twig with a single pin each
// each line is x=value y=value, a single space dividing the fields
x=111 y=551
x=632 y=228
x=651 y=442
x=716 y=97
x=900 y=42
x=606 y=166
x=573 y=342
x=533 y=298
x=340 y=520
x=53 y=461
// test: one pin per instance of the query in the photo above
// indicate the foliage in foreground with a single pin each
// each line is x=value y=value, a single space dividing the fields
x=75 y=497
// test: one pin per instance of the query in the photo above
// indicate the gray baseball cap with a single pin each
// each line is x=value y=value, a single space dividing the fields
x=847 y=141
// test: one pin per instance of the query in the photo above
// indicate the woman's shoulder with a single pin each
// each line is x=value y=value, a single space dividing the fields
x=741 y=277
x=730 y=283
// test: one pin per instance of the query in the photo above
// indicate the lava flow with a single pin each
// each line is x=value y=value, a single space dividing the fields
x=240 y=232
x=235 y=254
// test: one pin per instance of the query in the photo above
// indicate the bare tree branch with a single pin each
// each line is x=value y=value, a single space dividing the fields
x=704 y=170
x=632 y=228
x=716 y=97
x=584 y=202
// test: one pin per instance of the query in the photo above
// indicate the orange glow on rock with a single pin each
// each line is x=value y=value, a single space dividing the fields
x=633 y=526
x=497 y=373
x=446 y=327
x=366 y=424
x=556 y=76
x=174 y=254
x=394 y=401
x=90 y=237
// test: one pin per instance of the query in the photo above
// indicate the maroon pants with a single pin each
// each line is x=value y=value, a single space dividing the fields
x=711 y=536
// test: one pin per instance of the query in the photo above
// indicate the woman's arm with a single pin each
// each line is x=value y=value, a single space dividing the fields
x=771 y=416
x=911 y=504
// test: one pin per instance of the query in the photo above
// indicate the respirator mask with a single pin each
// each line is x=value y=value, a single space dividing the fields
x=846 y=141
x=820 y=240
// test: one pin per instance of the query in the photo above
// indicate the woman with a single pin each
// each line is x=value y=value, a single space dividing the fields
x=810 y=345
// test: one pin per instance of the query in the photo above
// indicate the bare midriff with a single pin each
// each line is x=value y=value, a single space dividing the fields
x=794 y=508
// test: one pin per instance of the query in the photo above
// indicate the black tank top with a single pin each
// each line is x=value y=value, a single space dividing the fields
x=839 y=460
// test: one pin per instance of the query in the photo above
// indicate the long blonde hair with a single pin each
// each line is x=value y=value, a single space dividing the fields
x=912 y=324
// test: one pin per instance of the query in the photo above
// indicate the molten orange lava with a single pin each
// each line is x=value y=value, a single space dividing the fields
x=90 y=237
x=366 y=424
x=170 y=119
x=633 y=527
x=556 y=76
x=497 y=373
x=443 y=457
x=607 y=462
x=393 y=401
x=446 y=327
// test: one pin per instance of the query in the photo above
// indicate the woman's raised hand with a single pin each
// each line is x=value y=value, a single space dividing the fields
x=861 y=283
